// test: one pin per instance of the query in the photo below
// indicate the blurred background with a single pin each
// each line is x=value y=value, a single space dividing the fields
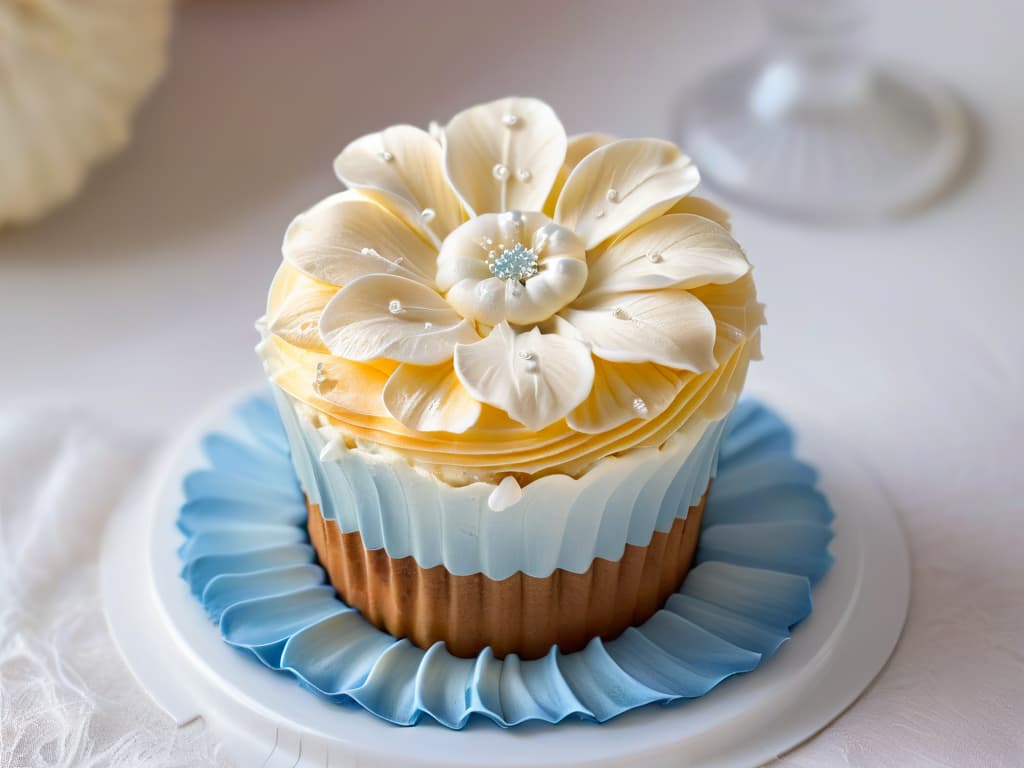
x=137 y=298
x=143 y=289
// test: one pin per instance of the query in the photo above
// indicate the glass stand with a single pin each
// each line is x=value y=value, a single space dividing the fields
x=813 y=130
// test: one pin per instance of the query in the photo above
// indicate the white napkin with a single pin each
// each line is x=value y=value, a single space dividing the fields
x=66 y=698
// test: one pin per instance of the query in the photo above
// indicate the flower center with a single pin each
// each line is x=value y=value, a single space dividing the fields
x=515 y=263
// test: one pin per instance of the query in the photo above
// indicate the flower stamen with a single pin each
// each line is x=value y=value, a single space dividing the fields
x=515 y=263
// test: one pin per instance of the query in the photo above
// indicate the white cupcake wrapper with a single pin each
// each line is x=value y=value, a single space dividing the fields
x=560 y=522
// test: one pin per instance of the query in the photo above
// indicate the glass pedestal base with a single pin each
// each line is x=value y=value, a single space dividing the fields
x=889 y=149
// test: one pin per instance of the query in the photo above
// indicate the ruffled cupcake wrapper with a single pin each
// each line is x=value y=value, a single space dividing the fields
x=247 y=559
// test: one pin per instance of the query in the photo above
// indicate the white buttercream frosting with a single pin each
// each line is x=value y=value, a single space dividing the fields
x=556 y=521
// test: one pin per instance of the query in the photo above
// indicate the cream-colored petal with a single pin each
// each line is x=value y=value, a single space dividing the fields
x=504 y=155
x=582 y=144
x=622 y=185
x=578 y=147
x=623 y=392
x=403 y=165
x=470 y=287
x=346 y=236
x=668 y=327
x=430 y=399
x=493 y=300
x=296 y=317
x=535 y=378
x=673 y=251
x=391 y=317
x=700 y=206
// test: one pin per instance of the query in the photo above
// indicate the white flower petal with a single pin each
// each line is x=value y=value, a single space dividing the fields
x=668 y=327
x=293 y=314
x=463 y=272
x=700 y=206
x=346 y=236
x=582 y=144
x=674 y=251
x=403 y=164
x=430 y=399
x=623 y=185
x=535 y=378
x=504 y=155
x=391 y=317
x=578 y=147
x=623 y=392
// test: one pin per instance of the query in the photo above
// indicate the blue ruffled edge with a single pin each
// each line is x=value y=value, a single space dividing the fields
x=248 y=560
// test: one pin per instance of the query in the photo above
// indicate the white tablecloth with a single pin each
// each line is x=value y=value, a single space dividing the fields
x=137 y=301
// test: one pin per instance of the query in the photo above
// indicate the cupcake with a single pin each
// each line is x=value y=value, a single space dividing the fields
x=504 y=358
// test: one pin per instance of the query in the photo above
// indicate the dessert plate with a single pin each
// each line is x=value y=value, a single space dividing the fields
x=266 y=719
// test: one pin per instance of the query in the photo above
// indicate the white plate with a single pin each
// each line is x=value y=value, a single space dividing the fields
x=265 y=719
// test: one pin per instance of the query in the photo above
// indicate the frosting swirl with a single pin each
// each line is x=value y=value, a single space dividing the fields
x=506 y=300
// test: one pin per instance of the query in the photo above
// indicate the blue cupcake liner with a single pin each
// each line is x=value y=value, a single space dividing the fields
x=248 y=560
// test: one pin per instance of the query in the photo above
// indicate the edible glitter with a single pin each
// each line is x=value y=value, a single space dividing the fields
x=515 y=263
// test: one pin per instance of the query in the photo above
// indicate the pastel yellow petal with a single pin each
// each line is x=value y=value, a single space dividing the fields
x=347 y=236
x=736 y=310
x=623 y=392
x=668 y=327
x=579 y=146
x=700 y=206
x=504 y=155
x=622 y=185
x=386 y=316
x=353 y=386
x=536 y=378
x=403 y=165
x=296 y=316
x=673 y=251
x=430 y=399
